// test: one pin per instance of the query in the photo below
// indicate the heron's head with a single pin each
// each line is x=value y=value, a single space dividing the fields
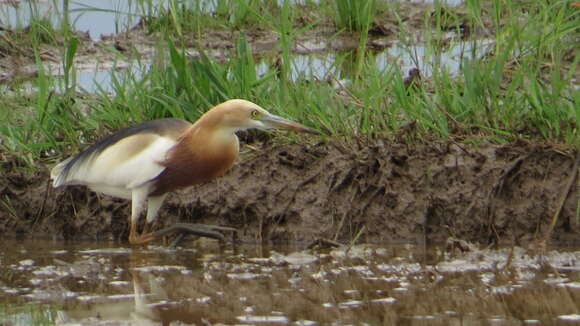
x=241 y=115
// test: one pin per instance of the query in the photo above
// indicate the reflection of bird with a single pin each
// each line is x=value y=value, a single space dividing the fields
x=145 y=162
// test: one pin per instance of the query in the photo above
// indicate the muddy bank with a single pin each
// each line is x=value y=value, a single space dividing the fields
x=297 y=193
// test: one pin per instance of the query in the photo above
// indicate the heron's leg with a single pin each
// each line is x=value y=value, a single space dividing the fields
x=202 y=230
x=153 y=206
x=138 y=199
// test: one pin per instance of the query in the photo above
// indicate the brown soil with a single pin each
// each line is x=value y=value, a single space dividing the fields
x=395 y=192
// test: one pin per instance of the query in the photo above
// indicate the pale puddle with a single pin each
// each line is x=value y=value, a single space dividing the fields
x=321 y=66
x=101 y=284
x=105 y=17
x=330 y=67
x=327 y=66
x=97 y=17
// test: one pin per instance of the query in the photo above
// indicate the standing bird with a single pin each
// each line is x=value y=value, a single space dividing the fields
x=147 y=161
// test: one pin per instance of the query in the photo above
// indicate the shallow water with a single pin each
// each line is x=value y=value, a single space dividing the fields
x=336 y=68
x=107 y=284
x=97 y=17
x=105 y=17
x=326 y=66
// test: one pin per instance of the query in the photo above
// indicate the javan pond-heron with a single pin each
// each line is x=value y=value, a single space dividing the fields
x=145 y=162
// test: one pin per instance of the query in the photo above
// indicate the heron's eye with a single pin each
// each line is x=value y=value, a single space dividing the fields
x=255 y=114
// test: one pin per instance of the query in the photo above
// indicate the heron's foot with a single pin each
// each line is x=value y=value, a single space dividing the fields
x=140 y=239
x=201 y=230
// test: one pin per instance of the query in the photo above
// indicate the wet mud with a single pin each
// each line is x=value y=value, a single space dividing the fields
x=295 y=193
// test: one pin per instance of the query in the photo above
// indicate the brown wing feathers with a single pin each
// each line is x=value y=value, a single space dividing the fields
x=164 y=127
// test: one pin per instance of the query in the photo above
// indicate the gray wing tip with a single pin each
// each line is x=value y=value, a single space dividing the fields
x=59 y=172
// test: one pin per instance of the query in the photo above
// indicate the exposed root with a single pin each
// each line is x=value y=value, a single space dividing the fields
x=322 y=243
x=563 y=197
x=202 y=230
x=497 y=189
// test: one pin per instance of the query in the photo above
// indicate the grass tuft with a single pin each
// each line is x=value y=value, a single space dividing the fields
x=355 y=15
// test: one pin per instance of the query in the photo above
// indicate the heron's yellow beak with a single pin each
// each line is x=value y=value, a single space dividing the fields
x=272 y=121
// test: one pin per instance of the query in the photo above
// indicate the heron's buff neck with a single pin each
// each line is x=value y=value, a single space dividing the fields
x=212 y=119
x=211 y=140
x=202 y=154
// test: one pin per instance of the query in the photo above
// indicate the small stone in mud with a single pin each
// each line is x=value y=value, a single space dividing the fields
x=26 y=262
x=298 y=258
x=263 y=319
x=384 y=300
x=572 y=317
x=350 y=304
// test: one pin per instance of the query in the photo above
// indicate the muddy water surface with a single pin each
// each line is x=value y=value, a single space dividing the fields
x=110 y=284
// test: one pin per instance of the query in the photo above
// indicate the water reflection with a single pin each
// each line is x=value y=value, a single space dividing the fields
x=104 y=17
x=139 y=308
x=97 y=17
x=102 y=79
x=334 y=67
x=310 y=62
x=341 y=65
x=100 y=283
x=427 y=59
x=95 y=77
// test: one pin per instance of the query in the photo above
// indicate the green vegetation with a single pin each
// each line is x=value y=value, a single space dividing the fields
x=522 y=88
x=355 y=15
x=27 y=314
